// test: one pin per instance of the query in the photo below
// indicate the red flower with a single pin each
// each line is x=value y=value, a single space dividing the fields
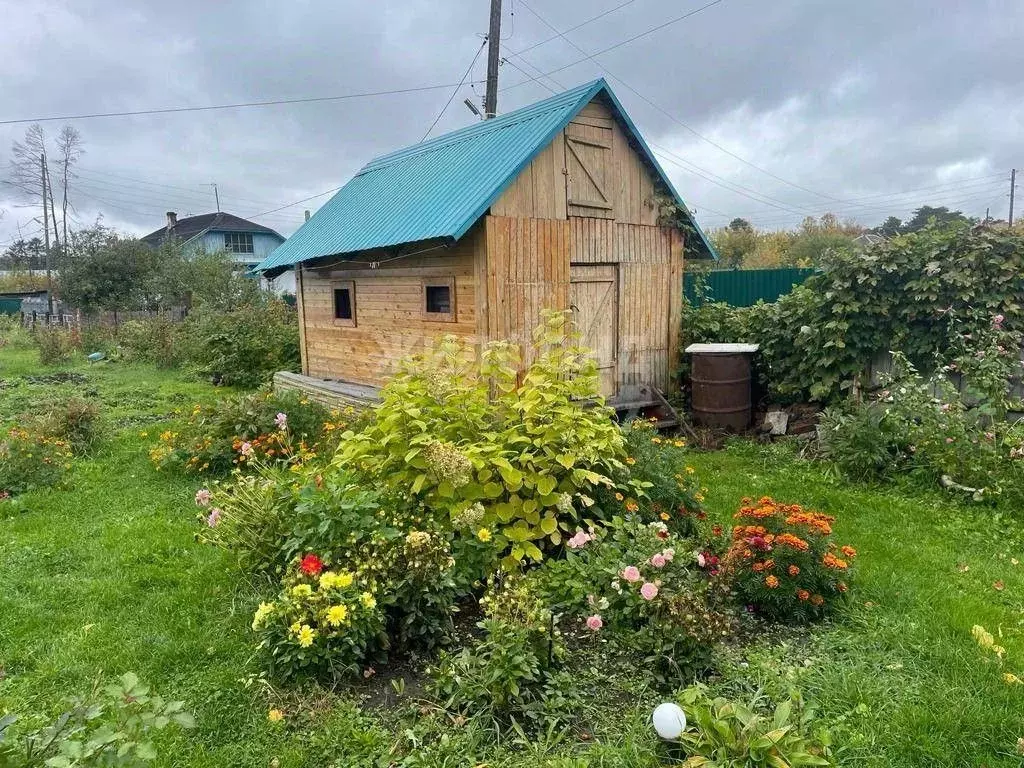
x=311 y=565
x=716 y=530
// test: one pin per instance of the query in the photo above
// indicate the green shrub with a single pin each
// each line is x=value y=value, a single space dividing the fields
x=919 y=294
x=114 y=725
x=511 y=674
x=29 y=460
x=55 y=343
x=96 y=337
x=643 y=588
x=453 y=431
x=243 y=347
x=12 y=333
x=244 y=429
x=324 y=623
x=74 y=421
x=921 y=427
x=783 y=562
x=671 y=491
x=158 y=341
x=723 y=734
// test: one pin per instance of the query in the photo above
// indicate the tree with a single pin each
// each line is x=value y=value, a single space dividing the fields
x=104 y=271
x=24 y=255
x=942 y=216
x=891 y=227
x=740 y=225
x=216 y=281
x=69 y=150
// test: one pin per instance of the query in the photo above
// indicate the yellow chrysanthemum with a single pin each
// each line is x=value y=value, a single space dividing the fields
x=261 y=614
x=368 y=600
x=275 y=715
x=483 y=534
x=336 y=615
x=302 y=590
x=306 y=636
x=294 y=628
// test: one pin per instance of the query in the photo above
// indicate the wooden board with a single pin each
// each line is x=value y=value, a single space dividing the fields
x=390 y=323
x=594 y=300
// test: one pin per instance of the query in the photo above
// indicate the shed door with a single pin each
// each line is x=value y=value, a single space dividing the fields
x=588 y=165
x=594 y=300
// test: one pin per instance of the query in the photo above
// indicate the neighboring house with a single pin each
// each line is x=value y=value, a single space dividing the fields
x=556 y=205
x=247 y=241
x=869 y=239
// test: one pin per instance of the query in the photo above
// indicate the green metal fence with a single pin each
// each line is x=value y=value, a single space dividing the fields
x=743 y=287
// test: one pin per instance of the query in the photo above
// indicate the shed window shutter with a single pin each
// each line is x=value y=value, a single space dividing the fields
x=588 y=160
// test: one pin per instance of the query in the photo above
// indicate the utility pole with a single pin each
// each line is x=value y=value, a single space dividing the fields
x=1013 y=183
x=493 y=59
x=46 y=237
x=216 y=195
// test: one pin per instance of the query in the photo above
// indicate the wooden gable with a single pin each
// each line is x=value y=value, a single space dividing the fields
x=589 y=170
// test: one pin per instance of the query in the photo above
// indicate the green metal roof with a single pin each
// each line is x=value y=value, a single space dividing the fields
x=437 y=189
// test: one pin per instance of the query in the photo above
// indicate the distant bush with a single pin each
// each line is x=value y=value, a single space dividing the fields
x=245 y=346
x=12 y=334
x=29 y=460
x=921 y=427
x=55 y=343
x=266 y=426
x=74 y=421
x=157 y=341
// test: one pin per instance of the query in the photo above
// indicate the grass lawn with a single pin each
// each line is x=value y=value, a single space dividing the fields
x=103 y=576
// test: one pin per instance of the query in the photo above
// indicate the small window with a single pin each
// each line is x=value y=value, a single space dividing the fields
x=439 y=299
x=345 y=303
x=238 y=242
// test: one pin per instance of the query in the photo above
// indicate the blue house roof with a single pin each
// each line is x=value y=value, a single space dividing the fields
x=439 y=188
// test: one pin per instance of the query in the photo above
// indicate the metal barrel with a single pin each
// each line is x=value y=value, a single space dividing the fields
x=721 y=390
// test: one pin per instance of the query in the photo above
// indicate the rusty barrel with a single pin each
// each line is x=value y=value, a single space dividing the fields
x=720 y=375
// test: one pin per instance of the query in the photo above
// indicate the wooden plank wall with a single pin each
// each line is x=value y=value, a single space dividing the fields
x=527 y=271
x=389 y=312
x=539 y=190
x=650 y=292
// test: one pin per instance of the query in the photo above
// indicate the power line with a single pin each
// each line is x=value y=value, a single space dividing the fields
x=621 y=43
x=297 y=202
x=238 y=105
x=448 y=103
x=571 y=29
x=651 y=103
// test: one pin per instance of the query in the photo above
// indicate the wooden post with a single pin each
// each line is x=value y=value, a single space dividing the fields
x=1013 y=183
x=493 y=59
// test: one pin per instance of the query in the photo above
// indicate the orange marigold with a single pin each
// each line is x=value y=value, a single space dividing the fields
x=817 y=600
x=771 y=582
x=842 y=586
x=789 y=540
x=793 y=570
x=757 y=567
x=849 y=551
x=769 y=564
x=803 y=594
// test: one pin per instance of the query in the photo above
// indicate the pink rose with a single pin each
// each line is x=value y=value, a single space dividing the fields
x=949 y=440
x=281 y=420
x=701 y=561
x=658 y=561
x=668 y=554
x=648 y=591
x=594 y=622
x=246 y=449
x=579 y=540
x=203 y=497
x=214 y=517
x=631 y=574
x=997 y=321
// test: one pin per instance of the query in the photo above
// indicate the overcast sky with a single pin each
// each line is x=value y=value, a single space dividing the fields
x=769 y=111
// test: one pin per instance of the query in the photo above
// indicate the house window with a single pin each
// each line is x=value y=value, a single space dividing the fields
x=439 y=299
x=238 y=242
x=345 y=303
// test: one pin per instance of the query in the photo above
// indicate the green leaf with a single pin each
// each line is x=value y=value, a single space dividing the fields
x=549 y=525
x=566 y=460
x=546 y=484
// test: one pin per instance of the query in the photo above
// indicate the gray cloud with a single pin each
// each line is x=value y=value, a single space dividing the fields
x=855 y=101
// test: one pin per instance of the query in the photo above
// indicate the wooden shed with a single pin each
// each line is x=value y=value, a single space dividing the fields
x=556 y=205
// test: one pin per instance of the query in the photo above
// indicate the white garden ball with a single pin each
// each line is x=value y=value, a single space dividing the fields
x=669 y=720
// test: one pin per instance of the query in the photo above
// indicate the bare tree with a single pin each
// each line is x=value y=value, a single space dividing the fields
x=69 y=150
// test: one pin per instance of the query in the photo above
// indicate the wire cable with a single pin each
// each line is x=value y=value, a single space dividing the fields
x=238 y=105
x=455 y=92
